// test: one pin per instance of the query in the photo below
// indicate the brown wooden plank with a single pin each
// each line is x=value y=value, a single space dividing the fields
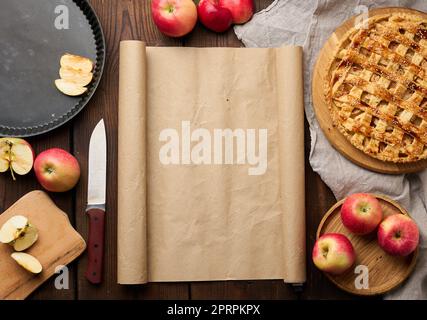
x=11 y=191
x=121 y=20
x=202 y=37
x=232 y=290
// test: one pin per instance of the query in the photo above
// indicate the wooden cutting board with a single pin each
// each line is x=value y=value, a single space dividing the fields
x=337 y=140
x=58 y=244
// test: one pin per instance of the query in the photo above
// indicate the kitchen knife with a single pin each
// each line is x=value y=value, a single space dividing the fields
x=96 y=202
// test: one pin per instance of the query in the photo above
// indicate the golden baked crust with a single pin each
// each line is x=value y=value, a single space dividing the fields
x=377 y=87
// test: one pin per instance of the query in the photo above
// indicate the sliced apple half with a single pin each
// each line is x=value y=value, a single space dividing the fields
x=28 y=262
x=76 y=76
x=76 y=62
x=13 y=228
x=7 y=233
x=4 y=156
x=70 y=88
x=16 y=155
x=26 y=239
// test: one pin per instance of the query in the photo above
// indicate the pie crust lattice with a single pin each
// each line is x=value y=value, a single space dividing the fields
x=377 y=91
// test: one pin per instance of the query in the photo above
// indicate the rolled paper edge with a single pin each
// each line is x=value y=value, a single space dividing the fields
x=292 y=162
x=132 y=263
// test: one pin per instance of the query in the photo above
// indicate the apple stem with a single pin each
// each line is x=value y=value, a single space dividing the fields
x=12 y=173
x=170 y=9
x=10 y=161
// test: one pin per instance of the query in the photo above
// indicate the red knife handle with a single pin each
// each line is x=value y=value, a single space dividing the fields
x=95 y=245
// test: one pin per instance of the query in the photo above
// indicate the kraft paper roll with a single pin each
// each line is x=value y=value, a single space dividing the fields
x=132 y=209
x=201 y=222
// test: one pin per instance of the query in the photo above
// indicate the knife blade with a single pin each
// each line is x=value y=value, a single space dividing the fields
x=96 y=199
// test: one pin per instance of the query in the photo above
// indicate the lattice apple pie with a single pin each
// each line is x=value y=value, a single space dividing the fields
x=377 y=93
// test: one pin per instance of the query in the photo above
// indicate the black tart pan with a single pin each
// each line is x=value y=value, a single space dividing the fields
x=33 y=37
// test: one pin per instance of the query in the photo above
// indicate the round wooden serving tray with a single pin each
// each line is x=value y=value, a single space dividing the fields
x=338 y=141
x=386 y=272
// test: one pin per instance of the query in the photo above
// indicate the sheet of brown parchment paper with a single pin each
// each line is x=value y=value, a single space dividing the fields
x=211 y=215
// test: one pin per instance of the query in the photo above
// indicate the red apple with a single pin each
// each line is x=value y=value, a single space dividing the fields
x=213 y=16
x=398 y=235
x=175 y=18
x=241 y=10
x=57 y=170
x=16 y=155
x=333 y=253
x=361 y=213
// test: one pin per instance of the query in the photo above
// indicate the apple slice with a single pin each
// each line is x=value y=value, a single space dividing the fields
x=22 y=159
x=13 y=228
x=76 y=62
x=28 y=262
x=4 y=157
x=16 y=155
x=26 y=239
x=77 y=76
x=7 y=233
x=19 y=222
x=70 y=88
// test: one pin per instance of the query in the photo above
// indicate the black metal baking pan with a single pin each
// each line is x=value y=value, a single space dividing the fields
x=34 y=34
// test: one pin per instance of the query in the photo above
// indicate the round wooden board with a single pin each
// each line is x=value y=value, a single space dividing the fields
x=338 y=141
x=386 y=272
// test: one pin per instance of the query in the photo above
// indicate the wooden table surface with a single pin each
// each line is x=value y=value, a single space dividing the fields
x=131 y=19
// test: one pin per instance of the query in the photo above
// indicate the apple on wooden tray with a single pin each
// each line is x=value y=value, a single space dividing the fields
x=333 y=253
x=361 y=213
x=398 y=235
x=353 y=218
